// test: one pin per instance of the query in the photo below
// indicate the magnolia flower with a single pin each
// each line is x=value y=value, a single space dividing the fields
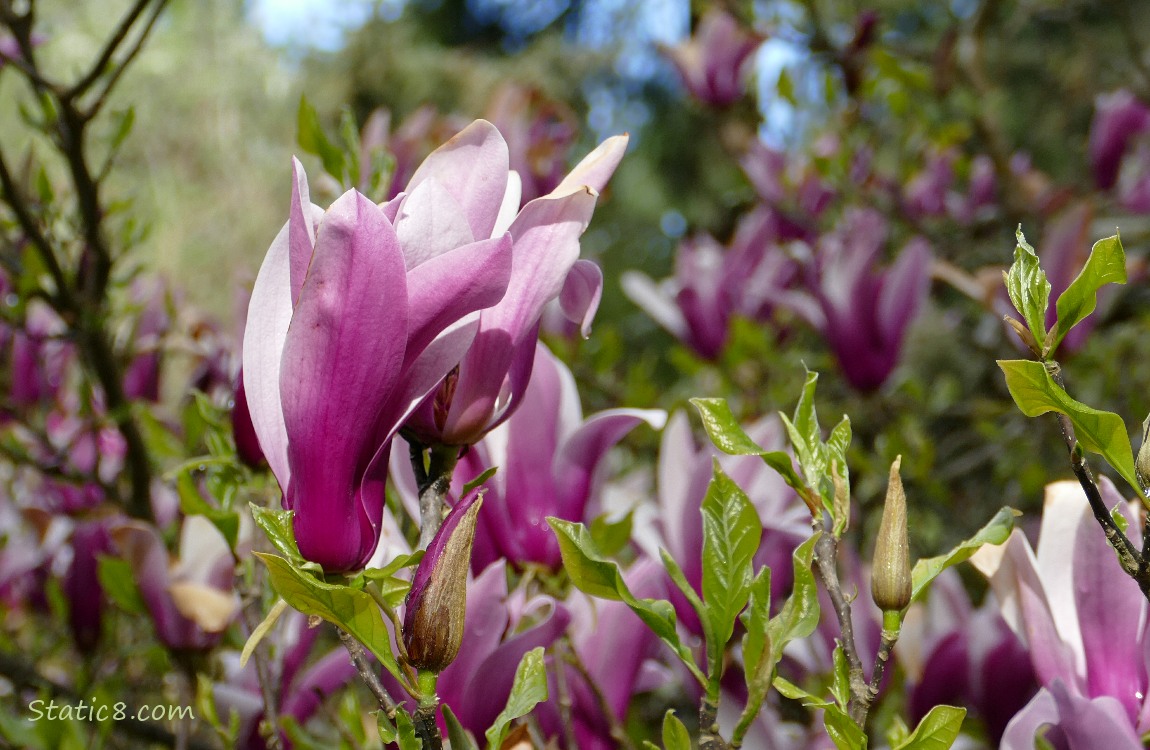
x=190 y=599
x=1084 y=623
x=357 y=313
x=714 y=63
x=540 y=133
x=712 y=284
x=1119 y=118
x=957 y=655
x=471 y=171
x=548 y=458
x=81 y=583
x=862 y=312
x=142 y=375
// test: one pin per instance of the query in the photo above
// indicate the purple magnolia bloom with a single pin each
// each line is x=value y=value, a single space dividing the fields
x=712 y=284
x=1119 y=118
x=548 y=458
x=926 y=193
x=957 y=655
x=1084 y=623
x=40 y=357
x=616 y=649
x=81 y=583
x=358 y=312
x=190 y=600
x=490 y=380
x=715 y=62
x=863 y=313
x=676 y=525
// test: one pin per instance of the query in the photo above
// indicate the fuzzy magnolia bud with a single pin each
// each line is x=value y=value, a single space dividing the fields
x=1142 y=463
x=890 y=578
x=437 y=602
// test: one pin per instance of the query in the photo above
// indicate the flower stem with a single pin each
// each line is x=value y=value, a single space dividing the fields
x=433 y=491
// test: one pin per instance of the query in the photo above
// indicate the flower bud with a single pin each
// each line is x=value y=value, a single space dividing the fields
x=1142 y=463
x=437 y=602
x=890 y=578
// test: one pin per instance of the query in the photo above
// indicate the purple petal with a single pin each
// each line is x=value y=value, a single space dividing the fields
x=472 y=166
x=903 y=290
x=454 y=284
x=301 y=230
x=582 y=290
x=341 y=361
x=595 y=169
x=430 y=222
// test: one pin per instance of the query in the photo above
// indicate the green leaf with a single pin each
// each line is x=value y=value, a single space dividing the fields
x=405 y=731
x=602 y=579
x=756 y=619
x=937 y=731
x=788 y=689
x=1101 y=432
x=756 y=650
x=469 y=486
x=352 y=610
x=387 y=729
x=1028 y=288
x=277 y=524
x=127 y=119
x=261 y=630
x=314 y=141
x=119 y=583
x=459 y=737
x=729 y=437
x=675 y=735
x=841 y=682
x=842 y=729
x=996 y=531
x=724 y=429
x=528 y=690
x=800 y=613
x=731 y=534
x=612 y=536
x=1106 y=265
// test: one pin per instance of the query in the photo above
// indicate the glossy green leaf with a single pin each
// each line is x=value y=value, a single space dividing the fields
x=731 y=534
x=800 y=613
x=842 y=729
x=1106 y=265
x=459 y=737
x=352 y=610
x=602 y=579
x=996 y=531
x=1101 y=432
x=528 y=690
x=1028 y=288
x=387 y=729
x=675 y=735
x=756 y=620
x=406 y=737
x=724 y=429
x=277 y=524
x=612 y=536
x=937 y=731
x=729 y=437
x=469 y=486
x=841 y=681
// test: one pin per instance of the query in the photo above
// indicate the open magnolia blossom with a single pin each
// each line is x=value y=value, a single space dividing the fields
x=361 y=311
x=1084 y=623
x=190 y=599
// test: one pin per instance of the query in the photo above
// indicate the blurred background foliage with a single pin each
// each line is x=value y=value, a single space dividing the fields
x=215 y=124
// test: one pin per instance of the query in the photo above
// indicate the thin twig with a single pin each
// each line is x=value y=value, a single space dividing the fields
x=565 y=704
x=263 y=675
x=367 y=673
x=138 y=45
x=118 y=36
x=826 y=565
